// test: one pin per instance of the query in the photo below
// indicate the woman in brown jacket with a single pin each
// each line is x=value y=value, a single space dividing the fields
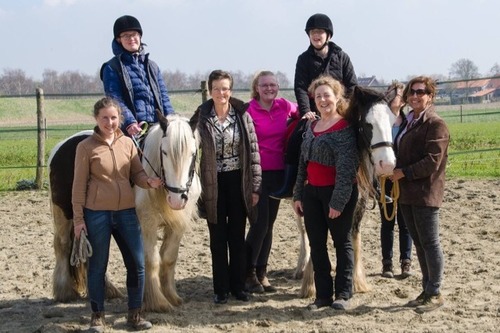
x=230 y=179
x=422 y=152
x=104 y=206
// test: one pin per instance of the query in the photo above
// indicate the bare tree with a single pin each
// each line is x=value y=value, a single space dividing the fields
x=175 y=80
x=283 y=80
x=495 y=70
x=464 y=69
x=15 y=82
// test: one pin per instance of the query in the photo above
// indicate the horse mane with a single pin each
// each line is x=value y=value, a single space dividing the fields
x=172 y=127
x=360 y=103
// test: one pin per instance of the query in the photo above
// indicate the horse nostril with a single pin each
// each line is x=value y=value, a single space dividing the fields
x=184 y=196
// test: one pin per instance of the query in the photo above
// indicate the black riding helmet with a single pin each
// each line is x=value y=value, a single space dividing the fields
x=126 y=23
x=320 y=21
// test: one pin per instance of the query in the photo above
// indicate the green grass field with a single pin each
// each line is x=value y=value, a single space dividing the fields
x=474 y=147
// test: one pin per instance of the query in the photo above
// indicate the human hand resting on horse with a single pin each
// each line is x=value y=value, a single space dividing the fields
x=309 y=115
x=78 y=228
x=155 y=182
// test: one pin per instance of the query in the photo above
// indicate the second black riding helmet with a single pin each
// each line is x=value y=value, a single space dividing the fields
x=320 y=21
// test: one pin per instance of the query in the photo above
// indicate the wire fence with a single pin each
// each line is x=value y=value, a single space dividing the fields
x=68 y=114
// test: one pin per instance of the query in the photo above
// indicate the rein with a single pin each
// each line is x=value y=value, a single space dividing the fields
x=394 y=196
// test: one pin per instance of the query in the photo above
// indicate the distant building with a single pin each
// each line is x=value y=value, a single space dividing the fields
x=474 y=91
x=368 y=81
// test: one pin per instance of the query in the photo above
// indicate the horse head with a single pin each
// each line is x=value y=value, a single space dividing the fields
x=374 y=121
x=173 y=145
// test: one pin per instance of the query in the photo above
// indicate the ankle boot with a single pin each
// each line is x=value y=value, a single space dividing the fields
x=135 y=321
x=261 y=272
x=286 y=191
x=97 y=323
x=252 y=285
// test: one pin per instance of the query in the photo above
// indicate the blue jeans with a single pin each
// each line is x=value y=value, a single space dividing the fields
x=126 y=230
x=423 y=225
x=315 y=203
x=387 y=231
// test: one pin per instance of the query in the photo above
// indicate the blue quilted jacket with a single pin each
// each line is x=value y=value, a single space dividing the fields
x=140 y=91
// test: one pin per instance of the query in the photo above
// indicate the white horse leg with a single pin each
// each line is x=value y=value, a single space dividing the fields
x=154 y=300
x=169 y=253
x=305 y=251
x=359 y=276
x=65 y=286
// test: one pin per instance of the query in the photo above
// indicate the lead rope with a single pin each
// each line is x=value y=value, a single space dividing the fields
x=394 y=197
x=81 y=251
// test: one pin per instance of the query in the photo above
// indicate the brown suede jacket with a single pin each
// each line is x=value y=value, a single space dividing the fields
x=103 y=173
x=422 y=153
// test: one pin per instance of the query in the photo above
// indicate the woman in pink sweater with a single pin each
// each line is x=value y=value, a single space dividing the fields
x=270 y=114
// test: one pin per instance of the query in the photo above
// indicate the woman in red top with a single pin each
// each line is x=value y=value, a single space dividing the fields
x=326 y=192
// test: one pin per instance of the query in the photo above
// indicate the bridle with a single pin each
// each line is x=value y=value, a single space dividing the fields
x=183 y=191
x=179 y=190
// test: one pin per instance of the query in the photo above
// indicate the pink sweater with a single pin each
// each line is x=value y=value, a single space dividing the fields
x=270 y=127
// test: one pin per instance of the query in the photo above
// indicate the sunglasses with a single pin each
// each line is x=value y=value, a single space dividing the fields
x=419 y=92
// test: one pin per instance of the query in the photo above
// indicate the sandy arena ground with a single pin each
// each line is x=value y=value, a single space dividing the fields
x=470 y=231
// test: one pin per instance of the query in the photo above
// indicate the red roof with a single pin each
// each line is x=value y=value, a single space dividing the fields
x=482 y=92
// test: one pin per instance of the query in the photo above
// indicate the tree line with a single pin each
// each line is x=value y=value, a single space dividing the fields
x=15 y=82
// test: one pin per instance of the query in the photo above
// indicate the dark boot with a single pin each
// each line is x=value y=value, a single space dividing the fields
x=97 y=323
x=261 y=272
x=252 y=285
x=136 y=322
x=286 y=191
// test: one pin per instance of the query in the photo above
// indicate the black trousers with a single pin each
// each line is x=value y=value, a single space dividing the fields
x=260 y=234
x=228 y=234
x=318 y=224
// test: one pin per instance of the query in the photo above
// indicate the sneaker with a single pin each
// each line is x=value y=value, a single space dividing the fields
x=340 y=304
x=406 y=268
x=430 y=303
x=417 y=301
x=387 y=270
x=319 y=303
x=97 y=323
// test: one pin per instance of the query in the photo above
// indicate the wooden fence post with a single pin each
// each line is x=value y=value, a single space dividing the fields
x=40 y=116
x=204 y=90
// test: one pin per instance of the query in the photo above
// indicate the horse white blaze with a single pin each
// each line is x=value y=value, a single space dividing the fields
x=382 y=119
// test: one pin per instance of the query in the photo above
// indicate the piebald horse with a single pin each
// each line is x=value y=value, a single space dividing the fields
x=170 y=152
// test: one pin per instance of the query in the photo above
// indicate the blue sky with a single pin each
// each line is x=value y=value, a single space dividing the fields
x=390 y=39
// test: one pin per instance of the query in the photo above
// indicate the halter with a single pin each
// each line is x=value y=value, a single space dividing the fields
x=179 y=190
x=367 y=142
